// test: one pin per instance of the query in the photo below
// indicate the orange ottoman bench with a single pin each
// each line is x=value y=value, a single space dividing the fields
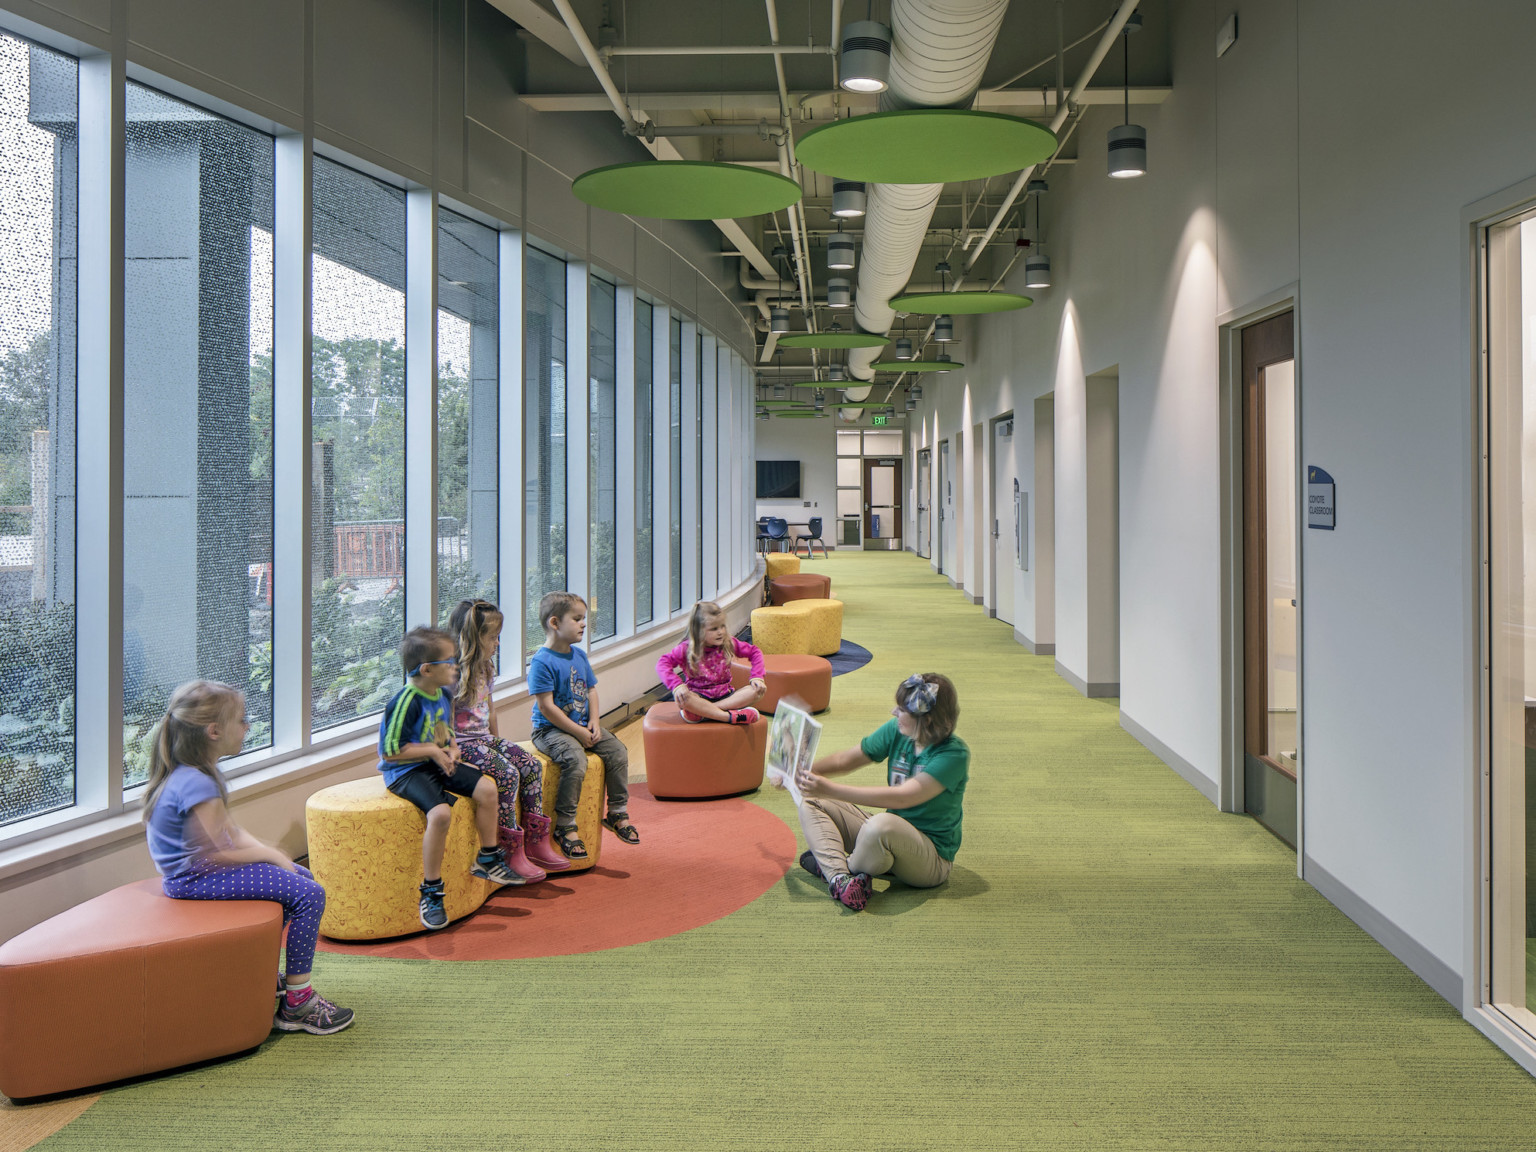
x=800 y=586
x=808 y=677
x=708 y=759
x=134 y=982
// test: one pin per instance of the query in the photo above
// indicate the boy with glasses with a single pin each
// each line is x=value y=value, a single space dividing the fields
x=420 y=761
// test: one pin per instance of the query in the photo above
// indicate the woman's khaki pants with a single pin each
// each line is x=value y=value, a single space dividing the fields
x=845 y=838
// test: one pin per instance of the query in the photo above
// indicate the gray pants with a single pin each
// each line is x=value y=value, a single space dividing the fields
x=566 y=751
x=845 y=838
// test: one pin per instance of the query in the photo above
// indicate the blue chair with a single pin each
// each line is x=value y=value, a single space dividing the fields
x=813 y=537
x=762 y=532
x=778 y=532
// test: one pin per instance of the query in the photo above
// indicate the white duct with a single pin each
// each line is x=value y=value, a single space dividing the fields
x=939 y=50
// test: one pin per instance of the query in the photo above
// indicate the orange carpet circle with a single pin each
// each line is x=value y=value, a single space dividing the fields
x=697 y=861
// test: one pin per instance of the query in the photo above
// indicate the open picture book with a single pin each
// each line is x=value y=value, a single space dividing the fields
x=791 y=745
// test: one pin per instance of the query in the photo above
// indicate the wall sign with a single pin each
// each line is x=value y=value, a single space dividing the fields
x=1319 y=498
x=877 y=421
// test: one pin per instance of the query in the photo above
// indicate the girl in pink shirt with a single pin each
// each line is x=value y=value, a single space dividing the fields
x=698 y=671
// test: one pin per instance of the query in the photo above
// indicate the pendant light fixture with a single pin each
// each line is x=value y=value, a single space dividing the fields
x=840 y=251
x=821 y=400
x=1127 y=141
x=778 y=316
x=903 y=349
x=839 y=292
x=1037 y=265
x=837 y=374
x=944 y=330
x=916 y=392
x=864 y=60
x=848 y=198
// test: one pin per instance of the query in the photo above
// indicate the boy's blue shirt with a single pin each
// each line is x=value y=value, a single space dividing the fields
x=569 y=676
x=413 y=717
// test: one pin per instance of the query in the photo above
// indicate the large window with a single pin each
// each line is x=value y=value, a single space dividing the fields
x=468 y=303
x=544 y=427
x=645 y=429
x=39 y=102
x=197 y=444
x=701 y=486
x=602 y=456
x=358 y=473
x=675 y=455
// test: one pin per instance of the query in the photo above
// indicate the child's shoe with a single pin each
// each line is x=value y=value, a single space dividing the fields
x=808 y=862
x=852 y=892
x=511 y=840
x=433 y=914
x=691 y=717
x=537 y=846
x=315 y=1014
x=745 y=716
x=618 y=823
x=491 y=865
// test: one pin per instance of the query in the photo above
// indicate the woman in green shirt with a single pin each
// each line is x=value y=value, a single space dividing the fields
x=916 y=839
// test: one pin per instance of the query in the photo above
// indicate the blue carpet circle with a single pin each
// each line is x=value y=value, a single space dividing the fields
x=848 y=658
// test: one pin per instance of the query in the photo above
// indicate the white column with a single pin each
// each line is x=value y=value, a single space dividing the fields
x=511 y=579
x=690 y=464
x=709 y=475
x=661 y=463
x=625 y=480
x=577 y=432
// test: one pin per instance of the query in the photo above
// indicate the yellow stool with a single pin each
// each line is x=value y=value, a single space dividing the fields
x=781 y=564
x=826 y=633
x=365 y=850
x=784 y=630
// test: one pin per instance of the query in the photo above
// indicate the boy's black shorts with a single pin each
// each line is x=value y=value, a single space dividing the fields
x=426 y=787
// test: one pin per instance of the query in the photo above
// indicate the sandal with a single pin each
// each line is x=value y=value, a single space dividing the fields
x=625 y=831
x=570 y=843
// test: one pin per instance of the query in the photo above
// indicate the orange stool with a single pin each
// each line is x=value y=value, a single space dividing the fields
x=707 y=759
x=134 y=982
x=808 y=677
x=800 y=586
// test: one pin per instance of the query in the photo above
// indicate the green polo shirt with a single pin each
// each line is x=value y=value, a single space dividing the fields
x=948 y=762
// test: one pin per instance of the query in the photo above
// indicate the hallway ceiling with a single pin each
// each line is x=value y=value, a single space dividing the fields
x=734 y=90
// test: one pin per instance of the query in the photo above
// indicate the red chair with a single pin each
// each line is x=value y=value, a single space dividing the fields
x=704 y=760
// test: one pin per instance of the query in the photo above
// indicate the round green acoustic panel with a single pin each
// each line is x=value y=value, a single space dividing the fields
x=924 y=146
x=685 y=190
x=915 y=365
x=800 y=415
x=772 y=404
x=959 y=303
x=862 y=404
x=832 y=340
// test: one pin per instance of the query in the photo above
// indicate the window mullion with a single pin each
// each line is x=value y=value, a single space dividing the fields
x=420 y=407
x=99 y=516
x=511 y=570
x=625 y=480
x=690 y=459
x=661 y=462
x=578 y=530
x=292 y=445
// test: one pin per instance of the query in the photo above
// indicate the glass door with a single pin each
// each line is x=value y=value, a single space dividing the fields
x=1270 y=672
x=924 y=498
x=882 y=504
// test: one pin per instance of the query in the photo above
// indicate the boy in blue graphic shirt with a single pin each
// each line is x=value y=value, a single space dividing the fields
x=565 y=722
x=420 y=761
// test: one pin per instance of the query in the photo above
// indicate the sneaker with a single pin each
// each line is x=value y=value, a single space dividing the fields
x=496 y=870
x=746 y=716
x=691 y=717
x=808 y=862
x=852 y=892
x=433 y=914
x=316 y=1015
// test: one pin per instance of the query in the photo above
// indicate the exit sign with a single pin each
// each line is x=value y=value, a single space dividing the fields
x=877 y=421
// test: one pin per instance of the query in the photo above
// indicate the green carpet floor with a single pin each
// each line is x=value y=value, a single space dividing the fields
x=1115 y=965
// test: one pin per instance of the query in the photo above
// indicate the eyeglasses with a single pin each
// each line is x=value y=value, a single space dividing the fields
x=428 y=663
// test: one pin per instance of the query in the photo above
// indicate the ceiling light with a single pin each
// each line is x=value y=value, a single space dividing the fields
x=917 y=392
x=1037 y=270
x=848 y=198
x=903 y=349
x=840 y=251
x=836 y=374
x=911 y=403
x=762 y=413
x=1127 y=142
x=1035 y=187
x=778 y=391
x=821 y=400
x=944 y=330
x=839 y=292
x=943 y=358
x=865 y=60
x=778 y=320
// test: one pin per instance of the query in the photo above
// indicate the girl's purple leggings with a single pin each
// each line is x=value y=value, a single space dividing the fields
x=516 y=774
x=301 y=896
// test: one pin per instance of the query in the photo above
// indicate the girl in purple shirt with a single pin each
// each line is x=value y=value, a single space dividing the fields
x=698 y=671
x=204 y=855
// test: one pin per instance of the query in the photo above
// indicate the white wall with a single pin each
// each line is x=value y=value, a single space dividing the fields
x=1307 y=155
x=813 y=443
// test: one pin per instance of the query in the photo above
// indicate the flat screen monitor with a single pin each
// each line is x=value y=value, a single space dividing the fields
x=778 y=479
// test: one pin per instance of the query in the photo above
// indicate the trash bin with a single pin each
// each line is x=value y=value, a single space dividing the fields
x=874 y=524
x=850 y=531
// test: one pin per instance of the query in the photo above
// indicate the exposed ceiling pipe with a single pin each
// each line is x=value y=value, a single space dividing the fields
x=595 y=62
x=1116 y=23
x=939 y=50
x=801 y=241
x=726 y=50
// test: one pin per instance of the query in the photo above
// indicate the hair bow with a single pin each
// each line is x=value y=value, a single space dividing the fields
x=921 y=695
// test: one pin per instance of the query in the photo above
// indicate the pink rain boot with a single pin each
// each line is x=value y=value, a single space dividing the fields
x=512 y=841
x=536 y=842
